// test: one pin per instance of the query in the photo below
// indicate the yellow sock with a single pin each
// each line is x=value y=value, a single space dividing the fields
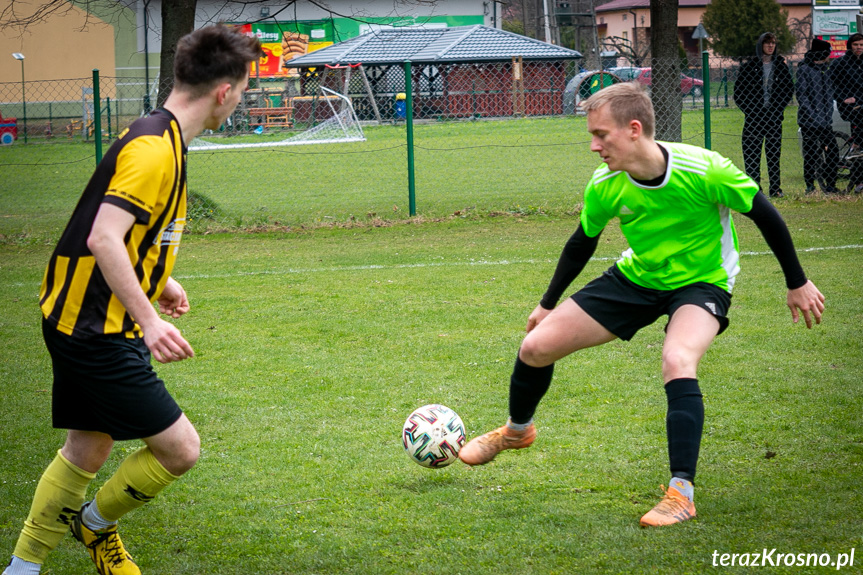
x=59 y=496
x=138 y=479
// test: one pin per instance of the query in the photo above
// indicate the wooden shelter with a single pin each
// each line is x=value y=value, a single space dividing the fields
x=466 y=71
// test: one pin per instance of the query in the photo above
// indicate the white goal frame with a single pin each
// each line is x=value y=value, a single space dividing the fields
x=341 y=127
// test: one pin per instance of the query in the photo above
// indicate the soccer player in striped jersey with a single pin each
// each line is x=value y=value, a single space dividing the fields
x=111 y=265
x=673 y=203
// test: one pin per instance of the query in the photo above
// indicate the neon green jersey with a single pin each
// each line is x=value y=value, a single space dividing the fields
x=679 y=232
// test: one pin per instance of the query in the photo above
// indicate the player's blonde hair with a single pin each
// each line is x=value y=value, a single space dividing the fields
x=626 y=101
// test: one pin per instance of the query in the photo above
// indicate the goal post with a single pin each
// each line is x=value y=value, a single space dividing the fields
x=341 y=126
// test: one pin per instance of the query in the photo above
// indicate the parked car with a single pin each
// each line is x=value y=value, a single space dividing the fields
x=583 y=86
x=688 y=86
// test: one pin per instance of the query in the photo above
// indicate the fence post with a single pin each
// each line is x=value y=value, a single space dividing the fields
x=97 y=116
x=409 y=117
x=20 y=57
x=705 y=95
x=108 y=114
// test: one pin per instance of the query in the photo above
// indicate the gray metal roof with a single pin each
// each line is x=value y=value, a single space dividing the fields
x=434 y=46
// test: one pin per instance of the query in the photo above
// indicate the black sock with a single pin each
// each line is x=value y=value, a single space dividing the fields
x=526 y=387
x=684 y=424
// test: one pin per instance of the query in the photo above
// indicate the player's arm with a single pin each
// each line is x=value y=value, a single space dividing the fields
x=576 y=253
x=107 y=244
x=802 y=293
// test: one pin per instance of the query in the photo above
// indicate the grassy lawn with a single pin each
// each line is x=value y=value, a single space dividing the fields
x=312 y=346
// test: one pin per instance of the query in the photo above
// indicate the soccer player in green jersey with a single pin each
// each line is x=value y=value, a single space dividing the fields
x=673 y=202
x=111 y=265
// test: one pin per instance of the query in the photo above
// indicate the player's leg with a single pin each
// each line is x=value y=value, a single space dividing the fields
x=565 y=330
x=61 y=489
x=58 y=497
x=129 y=401
x=689 y=334
x=139 y=478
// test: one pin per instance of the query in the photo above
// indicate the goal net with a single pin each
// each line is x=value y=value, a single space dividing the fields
x=341 y=125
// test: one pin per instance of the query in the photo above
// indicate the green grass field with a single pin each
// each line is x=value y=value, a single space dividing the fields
x=313 y=346
x=314 y=342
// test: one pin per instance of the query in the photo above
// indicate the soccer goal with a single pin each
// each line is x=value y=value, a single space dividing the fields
x=340 y=126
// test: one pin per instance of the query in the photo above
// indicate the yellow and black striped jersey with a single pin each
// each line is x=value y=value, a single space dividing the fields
x=144 y=173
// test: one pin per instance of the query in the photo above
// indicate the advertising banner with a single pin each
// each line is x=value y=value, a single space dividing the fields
x=834 y=22
x=837 y=3
x=835 y=25
x=283 y=41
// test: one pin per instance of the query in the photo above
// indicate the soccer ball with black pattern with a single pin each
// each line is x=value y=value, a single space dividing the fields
x=433 y=435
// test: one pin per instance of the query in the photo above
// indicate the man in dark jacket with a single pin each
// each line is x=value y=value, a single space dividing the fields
x=763 y=89
x=815 y=118
x=847 y=74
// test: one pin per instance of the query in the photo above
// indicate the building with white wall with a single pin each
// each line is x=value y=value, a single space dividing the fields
x=111 y=37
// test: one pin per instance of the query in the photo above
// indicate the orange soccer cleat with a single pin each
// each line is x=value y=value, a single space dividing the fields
x=484 y=448
x=674 y=508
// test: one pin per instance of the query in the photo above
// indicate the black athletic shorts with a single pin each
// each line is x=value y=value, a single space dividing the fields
x=623 y=307
x=107 y=384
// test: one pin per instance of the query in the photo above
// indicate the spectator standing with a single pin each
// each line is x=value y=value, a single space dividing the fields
x=815 y=118
x=763 y=89
x=847 y=75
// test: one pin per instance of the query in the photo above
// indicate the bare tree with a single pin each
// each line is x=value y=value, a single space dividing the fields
x=524 y=17
x=801 y=29
x=665 y=82
x=634 y=54
x=178 y=18
x=18 y=14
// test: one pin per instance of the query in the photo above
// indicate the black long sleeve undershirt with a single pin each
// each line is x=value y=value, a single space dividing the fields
x=576 y=253
x=771 y=225
x=580 y=248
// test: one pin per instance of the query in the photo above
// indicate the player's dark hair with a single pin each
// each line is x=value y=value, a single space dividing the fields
x=211 y=55
x=626 y=101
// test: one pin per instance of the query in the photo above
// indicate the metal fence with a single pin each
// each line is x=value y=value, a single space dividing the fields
x=48 y=111
x=487 y=137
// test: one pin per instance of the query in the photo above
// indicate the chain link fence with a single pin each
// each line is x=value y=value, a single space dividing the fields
x=54 y=111
x=486 y=138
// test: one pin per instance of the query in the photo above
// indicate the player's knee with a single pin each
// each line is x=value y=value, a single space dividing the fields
x=87 y=450
x=180 y=456
x=676 y=363
x=533 y=354
x=191 y=451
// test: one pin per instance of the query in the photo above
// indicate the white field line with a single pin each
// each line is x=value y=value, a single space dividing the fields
x=367 y=267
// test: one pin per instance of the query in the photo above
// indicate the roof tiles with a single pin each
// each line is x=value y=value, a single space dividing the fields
x=436 y=45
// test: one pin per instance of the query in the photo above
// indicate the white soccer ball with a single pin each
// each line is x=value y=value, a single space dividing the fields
x=433 y=435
